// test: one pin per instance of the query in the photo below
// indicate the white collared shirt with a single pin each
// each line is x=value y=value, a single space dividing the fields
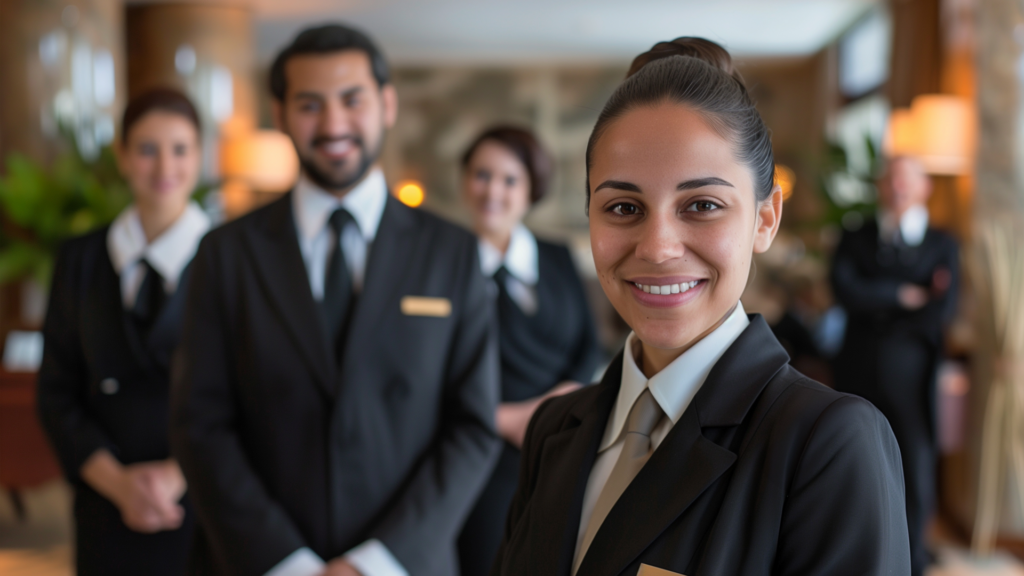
x=673 y=388
x=520 y=259
x=913 y=225
x=313 y=208
x=168 y=254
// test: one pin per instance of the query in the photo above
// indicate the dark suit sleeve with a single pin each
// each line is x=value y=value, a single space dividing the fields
x=63 y=382
x=240 y=520
x=426 y=517
x=854 y=291
x=845 y=510
x=588 y=352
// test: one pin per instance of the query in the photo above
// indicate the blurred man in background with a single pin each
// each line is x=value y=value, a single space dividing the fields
x=335 y=393
x=897 y=280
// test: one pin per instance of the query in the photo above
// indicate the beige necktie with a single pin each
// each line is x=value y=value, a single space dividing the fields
x=636 y=449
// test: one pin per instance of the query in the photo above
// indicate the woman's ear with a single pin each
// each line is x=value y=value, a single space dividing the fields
x=769 y=216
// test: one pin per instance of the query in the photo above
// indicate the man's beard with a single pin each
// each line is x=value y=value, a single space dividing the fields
x=332 y=184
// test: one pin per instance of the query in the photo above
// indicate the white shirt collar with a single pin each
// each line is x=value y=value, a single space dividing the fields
x=168 y=254
x=913 y=225
x=520 y=259
x=313 y=205
x=676 y=385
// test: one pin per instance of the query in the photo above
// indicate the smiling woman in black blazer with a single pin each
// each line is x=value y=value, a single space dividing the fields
x=547 y=340
x=112 y=324
x=701 y=452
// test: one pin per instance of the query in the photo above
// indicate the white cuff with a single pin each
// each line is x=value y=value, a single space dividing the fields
x=302 y=562
x=372 y=558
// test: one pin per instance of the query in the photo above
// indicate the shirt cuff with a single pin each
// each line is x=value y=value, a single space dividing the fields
x=372 y=558
x=302 y=562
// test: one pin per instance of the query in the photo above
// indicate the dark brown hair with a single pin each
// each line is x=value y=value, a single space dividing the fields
x=324 y=40
x=524 y=146
x=162 y=99
x=700 y=74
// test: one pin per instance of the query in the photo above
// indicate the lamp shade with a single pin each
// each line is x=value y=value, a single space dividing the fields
x=263 y=159
x=945 y=133
x=938 y=130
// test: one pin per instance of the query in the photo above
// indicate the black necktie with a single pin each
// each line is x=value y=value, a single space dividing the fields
x=501 y=279
x=337 y=283
x=150 y=298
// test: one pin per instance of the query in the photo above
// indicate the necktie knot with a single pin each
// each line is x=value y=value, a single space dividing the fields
x=338 y=219
x=645 y=414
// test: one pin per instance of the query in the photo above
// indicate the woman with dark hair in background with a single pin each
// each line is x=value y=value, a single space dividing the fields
x=548 y=343
x=111 y=327
x=702 y=451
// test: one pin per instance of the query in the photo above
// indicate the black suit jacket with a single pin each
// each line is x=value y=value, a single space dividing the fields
x=89 y=339
x=104 y=384
x=284 y=448
x=880 y=333
x=766 y=472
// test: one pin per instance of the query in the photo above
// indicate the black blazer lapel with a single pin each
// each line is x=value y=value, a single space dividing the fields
x=686 y=463
x=566 y=460
x=274 y=250
x=163 y=337
x=112 y=322
x=386 y=263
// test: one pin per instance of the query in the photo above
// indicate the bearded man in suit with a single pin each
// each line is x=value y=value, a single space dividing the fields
x=336 y=385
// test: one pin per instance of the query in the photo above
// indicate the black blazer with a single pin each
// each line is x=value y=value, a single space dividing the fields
x=866 y=275
x=284 y=448
x=766 y=472
x=103 y=384
x=557 y=343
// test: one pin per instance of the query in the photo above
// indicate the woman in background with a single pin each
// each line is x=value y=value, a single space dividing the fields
x=548 y=344
x=111 y=327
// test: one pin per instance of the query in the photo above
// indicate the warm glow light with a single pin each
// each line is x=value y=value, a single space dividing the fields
x=785 y=179
x=901 y=137
x=411 y=194
x=945 y=133
x=937 y=129
x=264 y=159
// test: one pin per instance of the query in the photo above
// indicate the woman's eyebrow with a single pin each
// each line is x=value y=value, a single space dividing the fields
x=702 y=182
x=618 y=185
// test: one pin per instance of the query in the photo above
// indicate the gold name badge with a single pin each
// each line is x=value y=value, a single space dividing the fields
x=648 y=570
x=426 y=306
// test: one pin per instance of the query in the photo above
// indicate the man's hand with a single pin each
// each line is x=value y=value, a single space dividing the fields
x=339 y=567
x=942 y=279
x=912 y=296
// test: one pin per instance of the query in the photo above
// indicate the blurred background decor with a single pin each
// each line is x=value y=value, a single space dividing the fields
x=841 y=84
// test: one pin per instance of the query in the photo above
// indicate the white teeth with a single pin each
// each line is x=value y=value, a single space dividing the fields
x=668 y=288
x=338 y=147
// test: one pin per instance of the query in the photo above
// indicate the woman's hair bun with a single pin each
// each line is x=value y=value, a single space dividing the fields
x=698 y=48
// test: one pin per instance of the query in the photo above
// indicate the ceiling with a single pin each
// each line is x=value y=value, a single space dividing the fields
x=539 y=31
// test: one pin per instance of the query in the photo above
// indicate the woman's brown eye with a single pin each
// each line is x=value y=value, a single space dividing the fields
x=624 y=209
x=703 y=206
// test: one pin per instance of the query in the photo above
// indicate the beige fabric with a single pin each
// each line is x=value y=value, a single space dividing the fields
x=636 y=449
